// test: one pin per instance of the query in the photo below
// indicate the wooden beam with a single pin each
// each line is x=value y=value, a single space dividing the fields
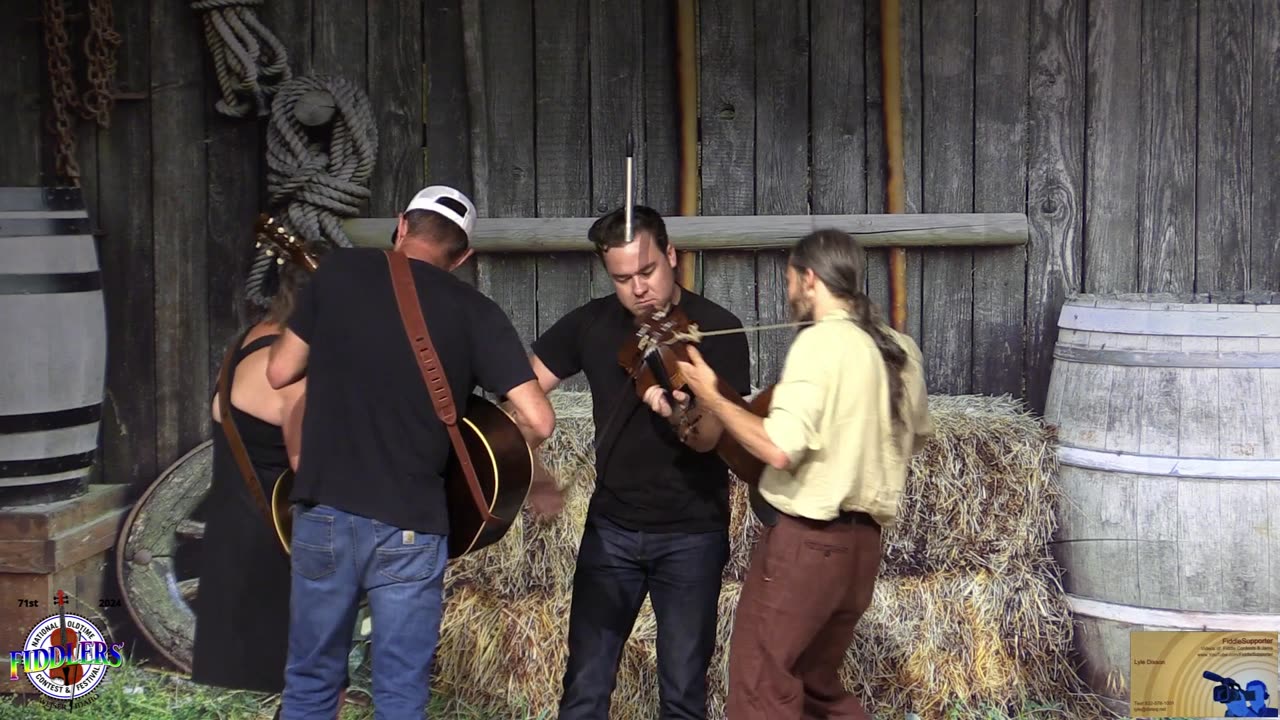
x=733 y=232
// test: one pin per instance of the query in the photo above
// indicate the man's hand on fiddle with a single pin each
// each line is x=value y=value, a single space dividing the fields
x=656 y=399
x=698 y=374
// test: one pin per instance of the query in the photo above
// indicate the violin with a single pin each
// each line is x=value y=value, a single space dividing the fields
x=650 y=356
x=650 y=353
x=66 y=638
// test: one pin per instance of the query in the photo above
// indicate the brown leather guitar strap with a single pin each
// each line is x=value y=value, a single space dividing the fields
x=432 y=373
x=228 y=424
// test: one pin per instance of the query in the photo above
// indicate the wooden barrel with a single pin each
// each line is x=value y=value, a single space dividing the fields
x=1168 y=415
x=53 y=345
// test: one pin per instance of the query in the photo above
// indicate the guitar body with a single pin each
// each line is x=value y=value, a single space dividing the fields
x=745 y=466
x=504 y=467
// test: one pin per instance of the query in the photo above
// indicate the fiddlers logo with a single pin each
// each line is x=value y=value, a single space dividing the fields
x=65 y=656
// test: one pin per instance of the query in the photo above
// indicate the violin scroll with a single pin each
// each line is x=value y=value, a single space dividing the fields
x=651 y=352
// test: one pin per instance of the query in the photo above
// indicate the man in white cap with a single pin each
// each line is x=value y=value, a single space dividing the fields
x=370 y=513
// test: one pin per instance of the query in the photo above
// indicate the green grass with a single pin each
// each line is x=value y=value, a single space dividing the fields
x=136 y=692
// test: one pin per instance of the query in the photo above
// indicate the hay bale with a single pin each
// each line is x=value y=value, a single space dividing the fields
x=968 y=608
x=928 y=641
x=980 y=496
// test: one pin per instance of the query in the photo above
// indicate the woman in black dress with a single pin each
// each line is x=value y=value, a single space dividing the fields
x=242 y=608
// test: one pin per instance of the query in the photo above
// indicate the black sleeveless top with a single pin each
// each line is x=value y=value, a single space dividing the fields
x=242 y=607
x=263 y=442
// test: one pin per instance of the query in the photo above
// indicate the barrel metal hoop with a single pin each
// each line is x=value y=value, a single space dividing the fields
x=1178 y=619
x=1194 y=467
x=1207 y=323
x=41 y=198
x=43 y=225
x=1165 y=359
x=51 y=420
x=47 y=466
x=49 y=283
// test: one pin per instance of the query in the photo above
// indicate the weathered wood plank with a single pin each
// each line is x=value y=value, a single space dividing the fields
x=340 y=43
x=1157 y=541
x=22 y=96
x=291 y=22
x=447 y=132
x=947 y=304
x=618 y=99
x=837 y=81
x=1055 y=178
x=509 y=169
x=128 y=272
x=235 y=156
x=1225 y=145
x=735 y=232
x=1000 y=185
x=617 y=102
x=912 y=133
x=661 y=109
x=1264 y=253
x=395 y=85
x=1114 y=141
x=726 y=52
x=179 y=215
x=782 y=166
x=563 y=176
x=1168 y=156
x=447 y=136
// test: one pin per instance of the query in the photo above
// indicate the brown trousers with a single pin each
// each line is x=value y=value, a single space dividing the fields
x=808 y=585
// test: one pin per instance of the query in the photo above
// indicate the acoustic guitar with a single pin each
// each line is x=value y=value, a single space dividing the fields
x=502 y=459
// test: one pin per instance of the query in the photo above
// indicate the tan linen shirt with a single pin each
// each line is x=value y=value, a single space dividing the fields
x=830 y=414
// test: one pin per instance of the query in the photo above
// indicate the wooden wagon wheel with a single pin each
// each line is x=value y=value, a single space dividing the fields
x=158 y=528
x=159 y=525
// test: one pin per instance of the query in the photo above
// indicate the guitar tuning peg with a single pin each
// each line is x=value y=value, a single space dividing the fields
x=279 y=261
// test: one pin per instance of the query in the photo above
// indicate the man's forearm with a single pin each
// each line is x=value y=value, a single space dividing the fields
x=748 y=429
x=531 y=435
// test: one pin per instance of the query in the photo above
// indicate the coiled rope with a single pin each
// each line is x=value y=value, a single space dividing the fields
x=316 y=185
x=248 y=59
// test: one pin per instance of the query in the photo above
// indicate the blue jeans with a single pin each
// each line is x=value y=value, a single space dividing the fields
x=335 y=557
x=617 y=567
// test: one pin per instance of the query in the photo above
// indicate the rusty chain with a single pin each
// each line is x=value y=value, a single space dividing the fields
x=100 y=52
x=62 y=90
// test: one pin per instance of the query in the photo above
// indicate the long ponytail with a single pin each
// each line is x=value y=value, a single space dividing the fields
x=841 y=263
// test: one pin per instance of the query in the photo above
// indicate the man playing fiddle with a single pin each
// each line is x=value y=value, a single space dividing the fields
x=849 y=411
x=657 y=523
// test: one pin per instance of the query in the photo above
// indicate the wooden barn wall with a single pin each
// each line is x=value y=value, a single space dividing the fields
x=1140 y=137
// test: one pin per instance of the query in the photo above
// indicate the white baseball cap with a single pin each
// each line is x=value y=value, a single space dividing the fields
x=449 y=203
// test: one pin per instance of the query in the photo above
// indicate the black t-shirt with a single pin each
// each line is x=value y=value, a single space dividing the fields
x=646 y=479
x=372 y=444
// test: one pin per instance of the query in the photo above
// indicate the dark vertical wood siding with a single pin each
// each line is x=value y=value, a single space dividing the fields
x=1138 y=137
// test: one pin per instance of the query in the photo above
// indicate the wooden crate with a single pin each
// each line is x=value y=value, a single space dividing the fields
x=64 y=546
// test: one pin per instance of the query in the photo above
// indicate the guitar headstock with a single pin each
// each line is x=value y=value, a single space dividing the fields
x=282 y=244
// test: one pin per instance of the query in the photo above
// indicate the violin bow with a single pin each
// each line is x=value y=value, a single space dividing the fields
x=628 y=210
x=630 y=185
